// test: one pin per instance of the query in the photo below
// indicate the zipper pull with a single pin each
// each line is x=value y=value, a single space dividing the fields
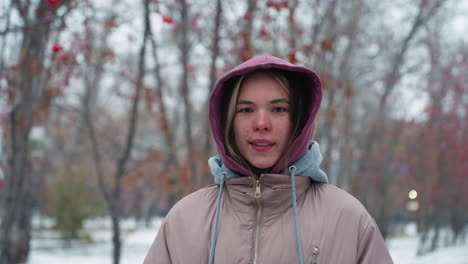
x=314 y=257
x=258 y=190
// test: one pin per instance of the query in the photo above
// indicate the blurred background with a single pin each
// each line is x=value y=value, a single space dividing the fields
x=103 y=112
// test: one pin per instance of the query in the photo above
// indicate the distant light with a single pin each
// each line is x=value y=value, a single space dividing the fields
x=413 y=194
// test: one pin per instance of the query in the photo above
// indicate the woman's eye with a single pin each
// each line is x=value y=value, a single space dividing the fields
x=279 y=109
x=245 y=110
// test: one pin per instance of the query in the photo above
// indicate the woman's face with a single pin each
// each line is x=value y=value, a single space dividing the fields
x=262 y=123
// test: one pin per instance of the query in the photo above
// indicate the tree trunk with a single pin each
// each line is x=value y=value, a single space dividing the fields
x=17 y=201
x=170 y=161
x=344 y=148
x=185 y=54
x=214 y=56
x=164 y=119
x=132 y=126
x=328 y=129
x=112 y=197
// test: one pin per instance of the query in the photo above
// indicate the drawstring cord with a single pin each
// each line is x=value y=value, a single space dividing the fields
x=218 y=205
x=296 y=223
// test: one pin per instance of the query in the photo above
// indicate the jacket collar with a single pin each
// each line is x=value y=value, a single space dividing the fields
x=307 y=165
x=275 y=193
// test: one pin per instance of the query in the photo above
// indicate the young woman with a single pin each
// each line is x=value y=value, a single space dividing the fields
x=271 y=202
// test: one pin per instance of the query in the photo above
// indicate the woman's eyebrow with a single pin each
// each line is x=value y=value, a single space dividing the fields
x=282 y=100
x=244 y=102
x=274 y=101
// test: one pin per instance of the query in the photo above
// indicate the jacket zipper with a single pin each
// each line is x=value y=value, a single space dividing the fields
x=314 y=257
x=258 y=196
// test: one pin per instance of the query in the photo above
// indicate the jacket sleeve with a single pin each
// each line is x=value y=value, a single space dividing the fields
x=159 y=251
x=371 y=247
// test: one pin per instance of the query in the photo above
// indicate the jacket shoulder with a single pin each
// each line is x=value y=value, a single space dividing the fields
x=174 y=241
x=340 y=202
x=194 y=204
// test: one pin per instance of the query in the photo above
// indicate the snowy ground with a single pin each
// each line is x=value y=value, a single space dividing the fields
x=47 y=248
x=403 y=251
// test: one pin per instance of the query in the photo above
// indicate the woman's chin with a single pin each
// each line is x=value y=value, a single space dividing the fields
x=260 y=168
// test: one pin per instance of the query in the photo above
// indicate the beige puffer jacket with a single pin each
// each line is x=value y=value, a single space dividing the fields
x=334 y=226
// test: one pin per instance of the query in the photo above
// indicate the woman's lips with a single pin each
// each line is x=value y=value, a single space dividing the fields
x=261 y=144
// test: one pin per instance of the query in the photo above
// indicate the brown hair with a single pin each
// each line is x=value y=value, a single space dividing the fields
x=291 y=82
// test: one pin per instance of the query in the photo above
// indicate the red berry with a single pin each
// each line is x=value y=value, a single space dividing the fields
x=167 y=19
x=53 y=2
x=56 y=48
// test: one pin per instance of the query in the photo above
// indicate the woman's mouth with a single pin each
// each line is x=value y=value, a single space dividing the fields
x=261 y=144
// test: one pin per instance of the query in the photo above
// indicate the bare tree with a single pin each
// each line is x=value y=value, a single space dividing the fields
x=345 y=143
x=377 y=126
x=170 y=161
x=214 y=56
x=185 y=47
x=29 y=90
x=113 y=195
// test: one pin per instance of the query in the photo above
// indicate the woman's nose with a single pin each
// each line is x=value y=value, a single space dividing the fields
x=262 y=122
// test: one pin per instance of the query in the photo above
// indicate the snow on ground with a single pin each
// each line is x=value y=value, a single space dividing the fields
x=136 y=241
x=47 y=248
x=403 y=251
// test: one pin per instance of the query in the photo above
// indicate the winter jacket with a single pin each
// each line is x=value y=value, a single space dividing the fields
x=290 y=215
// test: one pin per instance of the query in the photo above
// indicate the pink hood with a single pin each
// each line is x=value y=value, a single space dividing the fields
x=301 y=143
